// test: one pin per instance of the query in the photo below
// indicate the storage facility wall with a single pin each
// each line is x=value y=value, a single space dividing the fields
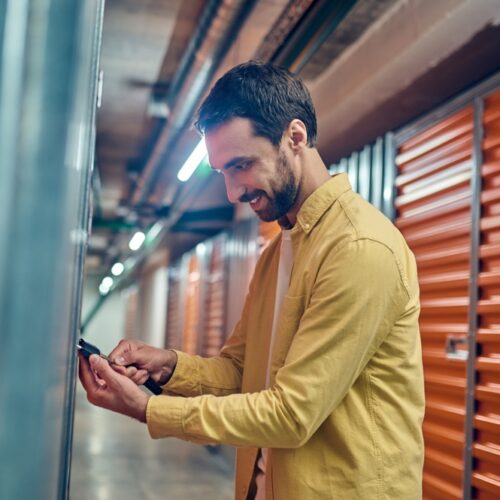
x=173 y=334
x=448 y=183
x=207 y=287
x=486 y=418
x=131 y=307
x=241 y=253
x=192 y=312
x=215 y=298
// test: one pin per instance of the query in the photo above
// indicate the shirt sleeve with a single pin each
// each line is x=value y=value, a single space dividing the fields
x=219 y=375
x=358 y=295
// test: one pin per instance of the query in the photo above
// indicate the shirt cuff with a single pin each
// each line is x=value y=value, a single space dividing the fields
x=185 y=379
x=164 y=416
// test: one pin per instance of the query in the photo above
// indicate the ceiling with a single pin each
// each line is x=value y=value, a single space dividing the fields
x=160 y=57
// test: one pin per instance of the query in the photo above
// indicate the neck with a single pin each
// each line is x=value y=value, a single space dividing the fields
x=313 y=173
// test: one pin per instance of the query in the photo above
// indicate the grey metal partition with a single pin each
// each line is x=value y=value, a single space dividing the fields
x=371 y=172
x=241 y=253
x=48 y=69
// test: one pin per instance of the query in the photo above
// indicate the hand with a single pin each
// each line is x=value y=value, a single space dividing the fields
x=110 y=390
x=158 y=364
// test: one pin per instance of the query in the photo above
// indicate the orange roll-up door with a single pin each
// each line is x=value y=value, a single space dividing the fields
x=215 y=301
x=192 y=310
x=267 y=231
x=486 y=445
x=173 y=322
x=434 y=214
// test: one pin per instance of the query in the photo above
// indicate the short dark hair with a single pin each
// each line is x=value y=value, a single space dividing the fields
x=268 y=95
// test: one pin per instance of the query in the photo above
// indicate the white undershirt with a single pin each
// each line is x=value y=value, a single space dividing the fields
x=283 y=279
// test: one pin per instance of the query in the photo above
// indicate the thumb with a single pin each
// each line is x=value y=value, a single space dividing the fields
x=102 y=369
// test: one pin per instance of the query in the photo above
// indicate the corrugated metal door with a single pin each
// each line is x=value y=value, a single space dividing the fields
x=215 y=301
x=434 y=214
x=241 y=255
x=267 y=231
x=192 y=314
x=486 y=422
x=174 y=319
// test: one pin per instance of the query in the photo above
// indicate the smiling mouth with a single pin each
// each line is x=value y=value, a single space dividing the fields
x=254 y=202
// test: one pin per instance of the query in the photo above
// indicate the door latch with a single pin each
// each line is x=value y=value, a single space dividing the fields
x=451 y=348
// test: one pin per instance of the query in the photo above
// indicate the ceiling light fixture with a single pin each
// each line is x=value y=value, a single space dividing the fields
x=193 y=162
x=105 y=285
x=117 y=269
x=136 y=241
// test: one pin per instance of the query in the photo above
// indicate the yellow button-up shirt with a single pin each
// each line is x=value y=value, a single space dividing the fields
x=342 y=417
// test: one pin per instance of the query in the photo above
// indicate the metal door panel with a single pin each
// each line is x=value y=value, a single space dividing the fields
x=434 y=213
x=192 y=306
x=173 y=334
x=49 y=63
x=436 y=136
x=486 y=422
x=214 y=332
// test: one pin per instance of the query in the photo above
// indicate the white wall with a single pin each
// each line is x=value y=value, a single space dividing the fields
x=152 y=307
x=108 y=325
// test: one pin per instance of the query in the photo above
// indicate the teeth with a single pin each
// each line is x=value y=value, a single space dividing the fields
x=255 y=199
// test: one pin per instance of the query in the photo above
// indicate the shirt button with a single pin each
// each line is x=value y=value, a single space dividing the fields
x=307 y=226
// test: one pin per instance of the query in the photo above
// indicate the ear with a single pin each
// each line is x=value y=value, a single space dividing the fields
x=297 y=135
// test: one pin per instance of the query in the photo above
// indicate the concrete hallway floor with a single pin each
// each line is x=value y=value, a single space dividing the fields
x=115 y=459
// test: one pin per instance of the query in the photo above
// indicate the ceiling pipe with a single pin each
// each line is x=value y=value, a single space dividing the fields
x=319 y=22
x=218 y=28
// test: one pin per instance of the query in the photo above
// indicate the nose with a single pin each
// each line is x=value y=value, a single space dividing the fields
x=234 y=189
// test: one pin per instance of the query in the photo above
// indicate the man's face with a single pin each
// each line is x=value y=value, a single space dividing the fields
x=255 y=171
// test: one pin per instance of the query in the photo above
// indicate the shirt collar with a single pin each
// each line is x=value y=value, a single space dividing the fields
x=321 y=200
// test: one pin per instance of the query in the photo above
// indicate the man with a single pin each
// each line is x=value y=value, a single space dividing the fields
x=320 y=384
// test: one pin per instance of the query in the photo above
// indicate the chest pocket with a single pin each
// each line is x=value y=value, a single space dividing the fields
x=291 y=313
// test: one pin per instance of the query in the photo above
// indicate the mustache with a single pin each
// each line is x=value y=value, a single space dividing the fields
x=250 y=196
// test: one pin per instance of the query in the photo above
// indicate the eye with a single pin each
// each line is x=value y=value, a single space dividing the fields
x=243 y=166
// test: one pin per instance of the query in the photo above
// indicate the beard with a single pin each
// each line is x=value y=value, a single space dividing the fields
x=284 y=192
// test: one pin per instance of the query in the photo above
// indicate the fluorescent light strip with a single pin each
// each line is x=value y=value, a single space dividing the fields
x=117 y=269
x=154 y=231
x=136 y=241
x=193 y=162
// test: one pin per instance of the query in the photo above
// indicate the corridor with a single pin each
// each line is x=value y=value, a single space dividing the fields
x=114 y=457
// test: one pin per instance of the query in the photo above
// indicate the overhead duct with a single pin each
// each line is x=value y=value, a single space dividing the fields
x=218 y=26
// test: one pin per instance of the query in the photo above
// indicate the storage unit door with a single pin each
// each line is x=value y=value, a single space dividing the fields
x=174 y=304
x=267 y=231
x=434 y=214
x=215 y=301
x=192 y=311
x=486 y=444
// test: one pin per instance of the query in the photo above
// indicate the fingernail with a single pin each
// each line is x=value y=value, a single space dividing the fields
x=120 y=360
x=93 y=359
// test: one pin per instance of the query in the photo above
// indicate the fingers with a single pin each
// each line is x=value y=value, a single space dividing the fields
x=140 y=377
x=137 y=375
x=103 y=371
x=108 y=389
x=86 y=375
